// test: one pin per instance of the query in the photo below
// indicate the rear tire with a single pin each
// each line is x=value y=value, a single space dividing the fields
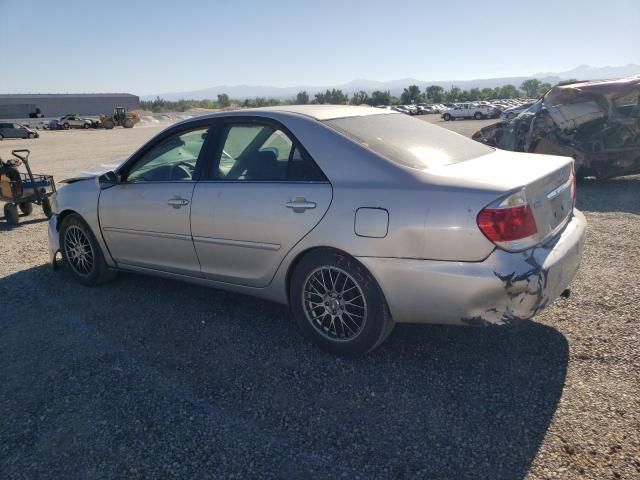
x=338 y=304
x=11 y=214
x=26 y=208
x=478 y=116
x=81 y=252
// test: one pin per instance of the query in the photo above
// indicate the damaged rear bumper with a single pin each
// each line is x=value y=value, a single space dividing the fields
x=505 y=288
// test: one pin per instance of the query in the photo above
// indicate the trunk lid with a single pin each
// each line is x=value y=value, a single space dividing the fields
x=546 y=180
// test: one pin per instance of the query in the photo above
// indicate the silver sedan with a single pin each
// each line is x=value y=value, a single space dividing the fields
x=357 y=218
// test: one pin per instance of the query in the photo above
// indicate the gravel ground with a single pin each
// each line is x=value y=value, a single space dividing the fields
x=149 y=378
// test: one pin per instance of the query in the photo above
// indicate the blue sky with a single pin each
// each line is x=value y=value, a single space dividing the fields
x=146 y=47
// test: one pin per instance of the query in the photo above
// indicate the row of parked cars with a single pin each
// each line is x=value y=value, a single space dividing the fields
x=504 y=108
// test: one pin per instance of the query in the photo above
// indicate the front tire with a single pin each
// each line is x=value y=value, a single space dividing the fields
x=11 y=214
x=81 y=252
x=446 y=117
x=338 y=304
x=65 y=126
x=31 y=135
x=478 y=116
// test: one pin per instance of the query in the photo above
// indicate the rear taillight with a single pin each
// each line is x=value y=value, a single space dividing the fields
x=509 y=222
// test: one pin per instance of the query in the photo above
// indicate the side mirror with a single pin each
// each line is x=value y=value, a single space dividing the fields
x=107 y=180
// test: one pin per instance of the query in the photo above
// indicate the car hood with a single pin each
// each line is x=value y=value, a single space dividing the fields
x=93 y=172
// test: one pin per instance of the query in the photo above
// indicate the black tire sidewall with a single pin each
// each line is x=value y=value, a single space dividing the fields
x=26 y=208
x=11 y=215
x=46 y=208
x=95 y=277
x=377 y=324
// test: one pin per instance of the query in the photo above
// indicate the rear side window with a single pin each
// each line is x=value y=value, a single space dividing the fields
x=408 y=141
x=254 y=152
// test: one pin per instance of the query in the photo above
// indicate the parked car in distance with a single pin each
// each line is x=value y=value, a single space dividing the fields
x=15 y=130
x=470 y=110
x=357 y=218
x=73 y=121
x=512 y=112
x=403 y=109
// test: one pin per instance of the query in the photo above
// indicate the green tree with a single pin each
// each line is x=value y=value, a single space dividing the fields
x=544 y=88
x=509 y=91
x=359 y=98
x=380 y=98
x=333 y=96
x=475 y=94
x=223 y=100
x=302 y=98
x=411 y=94
x=435 y=93
x=531 y=87
x=487 y=93
x=453 y=95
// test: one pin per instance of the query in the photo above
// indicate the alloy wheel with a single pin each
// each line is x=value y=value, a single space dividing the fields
x=334 y=303
x=78 y=250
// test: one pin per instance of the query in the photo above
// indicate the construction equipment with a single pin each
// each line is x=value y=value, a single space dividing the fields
x=21 y=190
x=120 y=118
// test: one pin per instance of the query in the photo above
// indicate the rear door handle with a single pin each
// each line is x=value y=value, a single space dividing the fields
x=177 y=202
x=300 y=204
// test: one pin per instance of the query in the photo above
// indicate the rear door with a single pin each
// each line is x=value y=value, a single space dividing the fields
x=19 y=131
x=263 y=195
x=145 y=218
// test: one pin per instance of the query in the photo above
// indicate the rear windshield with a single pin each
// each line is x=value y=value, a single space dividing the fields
x=408 y=141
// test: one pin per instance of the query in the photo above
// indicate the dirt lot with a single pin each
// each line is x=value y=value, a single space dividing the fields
x=152 y=378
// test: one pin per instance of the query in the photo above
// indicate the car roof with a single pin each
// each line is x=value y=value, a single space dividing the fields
x=324 y=112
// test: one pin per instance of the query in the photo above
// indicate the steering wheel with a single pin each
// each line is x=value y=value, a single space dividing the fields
x=182 y=171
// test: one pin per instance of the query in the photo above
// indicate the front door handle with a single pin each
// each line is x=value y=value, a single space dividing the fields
x=300 y=204
x=177 y=202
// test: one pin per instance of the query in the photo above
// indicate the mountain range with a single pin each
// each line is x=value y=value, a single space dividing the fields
x=241 y=92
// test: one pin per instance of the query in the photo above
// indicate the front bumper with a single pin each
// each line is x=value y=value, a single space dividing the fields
x=505 y=288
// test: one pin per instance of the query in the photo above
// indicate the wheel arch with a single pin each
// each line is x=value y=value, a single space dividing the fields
x=300 y=255
x=64 y=214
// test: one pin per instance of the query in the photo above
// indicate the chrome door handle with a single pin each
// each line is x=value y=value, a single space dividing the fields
x=177 y=202
x=300 y=204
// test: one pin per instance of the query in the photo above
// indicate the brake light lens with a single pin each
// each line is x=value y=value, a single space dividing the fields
x=508 y=221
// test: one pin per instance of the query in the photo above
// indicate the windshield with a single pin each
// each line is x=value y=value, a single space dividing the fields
x=408 y=141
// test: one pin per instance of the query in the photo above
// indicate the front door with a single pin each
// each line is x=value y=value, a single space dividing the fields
x=264 y=196
x=145 y=218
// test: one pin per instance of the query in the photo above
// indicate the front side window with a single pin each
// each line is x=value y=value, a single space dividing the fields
x=173 y=159
x=254 y=152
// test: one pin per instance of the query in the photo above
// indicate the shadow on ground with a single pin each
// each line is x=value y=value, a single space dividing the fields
x=615 y=195
x=150 y=377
